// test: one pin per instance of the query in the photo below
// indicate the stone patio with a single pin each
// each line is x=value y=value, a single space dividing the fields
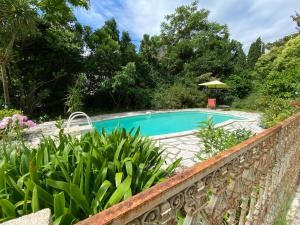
x=187 y=146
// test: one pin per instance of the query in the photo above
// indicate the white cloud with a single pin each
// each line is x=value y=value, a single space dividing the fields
x=90 y=17
x=246 y=19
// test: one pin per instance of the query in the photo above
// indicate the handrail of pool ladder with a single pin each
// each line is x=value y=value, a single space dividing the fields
x=75 y=115
x=148 y=114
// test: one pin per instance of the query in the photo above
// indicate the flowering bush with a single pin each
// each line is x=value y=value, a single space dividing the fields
x=16 y=123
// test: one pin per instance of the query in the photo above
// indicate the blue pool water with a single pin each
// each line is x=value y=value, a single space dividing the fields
x=163 y=123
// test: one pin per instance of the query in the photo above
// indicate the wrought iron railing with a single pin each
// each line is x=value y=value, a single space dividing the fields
x=244 y=185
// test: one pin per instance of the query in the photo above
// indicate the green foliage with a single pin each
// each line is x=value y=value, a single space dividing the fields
x=280 y=58
x=240 y=84
x=76 y=178
x=117 y=75
x=277 y=110
x=194 y=46
x=277 y=76
x=8 y=112
x=127 y=49
x=58 y=12
x=216 y=139
x=253 y=102
x=178 y=96
x=17 y=19
x=121 y=85
x=42 y=68
x=285 y=84
x=255 y=51
x=75 y=95
x=296 y=19
x=124 y=78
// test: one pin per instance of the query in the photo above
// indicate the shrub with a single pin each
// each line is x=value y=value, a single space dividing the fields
x=8 y=113
x=276 y=111
x=75 y=95
x=178 y=96
x=76 y=178
x=216 y=139
x=284 y=84
x=253 y=102
x=240 y=84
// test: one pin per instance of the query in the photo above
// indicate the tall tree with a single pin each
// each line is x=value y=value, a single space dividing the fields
x=42 y=67
x=17 y=19
x=239 y=57
x=296 y=18
x=192 y=45
x=105 y=56
x=255 y=51
x=127 y=49
x=110 y=26
x=149 y=48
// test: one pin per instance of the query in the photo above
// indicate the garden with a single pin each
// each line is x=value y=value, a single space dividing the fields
x=51 y=66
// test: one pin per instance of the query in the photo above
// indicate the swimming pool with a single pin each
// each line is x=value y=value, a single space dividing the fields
x=163 y=123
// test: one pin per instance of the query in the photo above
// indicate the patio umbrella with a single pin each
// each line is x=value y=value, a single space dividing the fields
x=215 y=85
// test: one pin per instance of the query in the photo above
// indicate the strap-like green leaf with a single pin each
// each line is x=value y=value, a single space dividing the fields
x=97 y=201
x=35 y=200
x=59 y=204
x=65 y=219
x=8 y=208
x=118 y=178
x=119 y=192
x=73 y=191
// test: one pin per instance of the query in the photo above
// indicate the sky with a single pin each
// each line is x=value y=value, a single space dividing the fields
x=246 y=19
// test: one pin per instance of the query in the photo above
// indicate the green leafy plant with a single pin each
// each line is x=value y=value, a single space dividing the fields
x=74 y=98
x=178 y=96
x=277 y=110
x=216 y=139
x=8 y=113
x=76 y=178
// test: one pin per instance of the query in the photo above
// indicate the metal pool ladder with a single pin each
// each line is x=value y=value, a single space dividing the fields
x=148 y=114
x=75 y=115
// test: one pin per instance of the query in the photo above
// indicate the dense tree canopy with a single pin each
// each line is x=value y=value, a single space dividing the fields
x=192 y=45
x=278 y=71
x=46 y=69
x=34 y=62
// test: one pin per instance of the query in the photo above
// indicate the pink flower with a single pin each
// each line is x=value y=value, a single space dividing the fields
x=3 y=124
x=20 y=118
x=30 y=123
x=7 y=119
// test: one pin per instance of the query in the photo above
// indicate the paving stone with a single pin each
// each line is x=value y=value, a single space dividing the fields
x=186 y=155
x=174 y=143
x=42 y=217
x=187 y=163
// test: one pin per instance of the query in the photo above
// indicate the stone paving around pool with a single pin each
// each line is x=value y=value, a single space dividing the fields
x=181 y=145
x=186 y=147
